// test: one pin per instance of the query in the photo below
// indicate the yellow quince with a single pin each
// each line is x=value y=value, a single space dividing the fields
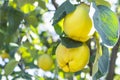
x=78 y=24
x=72 y=59
x=45 y=62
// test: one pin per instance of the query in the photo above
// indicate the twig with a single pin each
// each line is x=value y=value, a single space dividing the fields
x=55 y=4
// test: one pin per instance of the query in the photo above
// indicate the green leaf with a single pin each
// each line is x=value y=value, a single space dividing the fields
x=26 y=76
x=0 y=76
x=58 y=29
x=12 y=48
x=32 y=19
x=97 y=57
x=69 y=43
x=78 y=0
x=64 y=9
x=42 y=4
x=10 y=67
x=90 y=0
x=103 y=63
x=106 y=23
x=95 y=65
x=3 y=15
x=118 y=2
x=97 y=75
x=20 y=3
x=3 y=24
x=14 y=19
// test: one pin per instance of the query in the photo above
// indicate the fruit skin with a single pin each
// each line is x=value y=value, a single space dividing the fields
x=72 y=59
x=45 y=62
x=77 y=24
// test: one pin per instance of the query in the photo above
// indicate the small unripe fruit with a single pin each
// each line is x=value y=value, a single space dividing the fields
x=45 y=62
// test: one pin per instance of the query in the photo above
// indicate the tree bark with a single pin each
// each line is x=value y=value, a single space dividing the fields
x=113 y=57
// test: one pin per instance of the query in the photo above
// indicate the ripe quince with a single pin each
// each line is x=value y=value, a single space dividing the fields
x=78 y=24
x=72 y=59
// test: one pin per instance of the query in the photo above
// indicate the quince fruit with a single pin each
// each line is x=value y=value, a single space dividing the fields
x=78 y=24
x=45 y=62
x=72 y=59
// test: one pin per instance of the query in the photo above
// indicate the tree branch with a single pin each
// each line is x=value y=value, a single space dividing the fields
x=111 y=73
x=55 y=4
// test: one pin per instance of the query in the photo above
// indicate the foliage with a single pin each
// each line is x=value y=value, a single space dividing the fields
x=24 y=37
